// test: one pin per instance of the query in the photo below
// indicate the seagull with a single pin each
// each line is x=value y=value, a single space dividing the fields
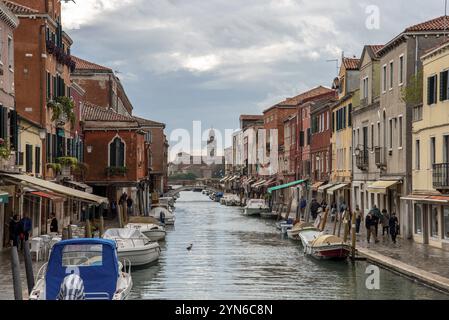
x=189 y=247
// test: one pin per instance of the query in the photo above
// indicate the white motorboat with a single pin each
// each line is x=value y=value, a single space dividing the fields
x=159 y=211
x=152 y=231
x=134 y=246
x=93 y=262
x=255 y=207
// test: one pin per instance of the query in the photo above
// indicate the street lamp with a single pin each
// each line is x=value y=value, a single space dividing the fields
x=42 y=134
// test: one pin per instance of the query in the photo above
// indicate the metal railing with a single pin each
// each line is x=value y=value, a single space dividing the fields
x=362 y=159
x=441 y=176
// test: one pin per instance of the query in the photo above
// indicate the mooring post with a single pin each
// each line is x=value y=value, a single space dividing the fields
x=353 y=235
x=28 y=266
x=15 y=267
x=101 y=225
x=69 y=232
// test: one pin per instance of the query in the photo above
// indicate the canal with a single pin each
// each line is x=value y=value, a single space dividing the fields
x=237 y=257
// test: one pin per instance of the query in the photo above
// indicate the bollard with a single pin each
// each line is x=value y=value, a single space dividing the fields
x=101 y=225
x=28 y=266
x=120 y=216
x=69 y=232
x=15 y=266
x=353 y=236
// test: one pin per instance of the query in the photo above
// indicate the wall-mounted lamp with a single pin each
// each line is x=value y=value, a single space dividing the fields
x=89 y=149
x=42 y=134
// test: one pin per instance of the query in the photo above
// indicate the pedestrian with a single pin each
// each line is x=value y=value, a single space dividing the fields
x=375 y=213
x=53 y=223
x=14 y=230
x=393 y=224
x=314 y=209
x=303 y=206
x=129 y=204
x=114 y=208
x=385 y=222
x=123 y=198
x=370 y=222
x=333 y=211
x=358 y=219
x=324 y=205
x=343 y=208
x=25 y=226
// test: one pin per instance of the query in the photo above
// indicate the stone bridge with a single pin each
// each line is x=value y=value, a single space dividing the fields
x=171 y=193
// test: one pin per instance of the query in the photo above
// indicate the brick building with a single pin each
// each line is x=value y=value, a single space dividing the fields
x=103 y=87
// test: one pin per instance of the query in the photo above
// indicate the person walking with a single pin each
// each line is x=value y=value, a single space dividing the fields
x=375 y=213
x=14 y=230
x=385 y=222
x=302 y=206
x=25 y=226
x=129 y=204
x=393 y=224
x=314 y=209
x=358 y=219
x=370 y=223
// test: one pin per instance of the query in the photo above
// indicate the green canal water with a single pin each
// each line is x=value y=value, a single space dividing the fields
x=237 y=257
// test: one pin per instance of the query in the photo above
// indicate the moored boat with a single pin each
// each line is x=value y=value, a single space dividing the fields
x=152 y=231
x=94 y=262
x=255 y=207
x=134 y=246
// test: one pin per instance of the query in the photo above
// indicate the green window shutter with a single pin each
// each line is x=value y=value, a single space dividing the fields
x=14 y=130
x=429 y=90
x=38 y=160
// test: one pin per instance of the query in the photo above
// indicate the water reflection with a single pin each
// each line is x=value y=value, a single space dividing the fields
x=237 y=257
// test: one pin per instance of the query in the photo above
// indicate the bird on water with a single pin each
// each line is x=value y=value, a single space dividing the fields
x=190 y=247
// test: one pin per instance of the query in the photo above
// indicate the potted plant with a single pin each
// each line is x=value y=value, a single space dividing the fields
x=5 y=152
x=67 y=163
x=62 y=106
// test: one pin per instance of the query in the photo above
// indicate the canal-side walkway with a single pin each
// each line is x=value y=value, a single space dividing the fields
x=413 y=260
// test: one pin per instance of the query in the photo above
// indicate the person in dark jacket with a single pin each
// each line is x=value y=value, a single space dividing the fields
x=393 y=227
x=25 y=230
x=377 y=216
x=54 y=223
x=370 y=223
x=314 y=208
x=14 y=230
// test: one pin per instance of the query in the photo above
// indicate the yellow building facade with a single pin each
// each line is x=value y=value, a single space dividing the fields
x=30 y=148
x=431 y=152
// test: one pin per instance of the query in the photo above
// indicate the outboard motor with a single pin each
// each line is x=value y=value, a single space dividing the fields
x=162 y=217
x=72 y=288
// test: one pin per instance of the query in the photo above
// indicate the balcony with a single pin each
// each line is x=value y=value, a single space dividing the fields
x=441 y=177
x=379 y=155
x=362 y=158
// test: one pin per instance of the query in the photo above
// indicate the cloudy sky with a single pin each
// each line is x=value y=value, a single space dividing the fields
x=186 y=60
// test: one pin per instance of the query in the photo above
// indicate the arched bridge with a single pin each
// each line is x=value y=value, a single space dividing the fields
x=171 y=193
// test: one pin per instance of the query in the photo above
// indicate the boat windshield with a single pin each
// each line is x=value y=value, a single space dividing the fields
x=82 y=255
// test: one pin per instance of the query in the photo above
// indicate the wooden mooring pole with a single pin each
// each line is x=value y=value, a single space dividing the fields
x=15 y=267
x=28 y=266
x=354 y=236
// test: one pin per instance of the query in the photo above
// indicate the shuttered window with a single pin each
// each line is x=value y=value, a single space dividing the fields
x=29 y=158
x=3 y=123
x=432 y=90
x=444 y=86
x=48 y=86
x=350 y=115
x=37 y=163
x=309 y=137
x=117 y=153
x=301 y=138
x=14 y=130
x=48 y=148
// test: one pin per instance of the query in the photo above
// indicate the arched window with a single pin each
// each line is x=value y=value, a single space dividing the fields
x=117 y=153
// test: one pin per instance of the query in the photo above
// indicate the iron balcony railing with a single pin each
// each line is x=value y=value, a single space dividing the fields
x=362 y=159
x=379 y=155
x=441 y=176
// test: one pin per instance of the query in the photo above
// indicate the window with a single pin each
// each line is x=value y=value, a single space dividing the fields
x=400 y=133
x=432 y=90
x=446 y=222
x=391 y=74
x=384 y=78
x=417 y=113
x=417 y=155
x=432 y=152
x=444 y=85
x=372 y=136
x=434 y=221
x=401 y=70
x=48 y=86
x=365 y=83
x=29 y=158
x=391 y=133
x=148 y=137
x=117 y=153
x=301 y=138
x=309 y=137
x=418 y=219
x=37 y=168
x=350 y=115
x=10 y=53
x=378 y=134
x=333 y=121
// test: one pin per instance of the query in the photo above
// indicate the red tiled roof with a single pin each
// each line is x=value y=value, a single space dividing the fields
x=18 y=8
x=437 y=24
x=376 y=48
x=147 y=122
x=318 y=91
x=351 y=63
x=82 y=64
x=251 y=117
x=96 y=113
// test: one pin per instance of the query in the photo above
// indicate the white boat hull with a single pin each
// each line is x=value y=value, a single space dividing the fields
x=155 y=235
x=140 y=256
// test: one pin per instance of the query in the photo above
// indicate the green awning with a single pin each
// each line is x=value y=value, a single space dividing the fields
x=287 y=185
x=4 y=197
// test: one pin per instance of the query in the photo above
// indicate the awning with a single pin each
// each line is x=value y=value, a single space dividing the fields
x=224 y=179
x=82 y=186
x=249 y=181
x=317 y=185
x=337 y=187
x=423 y=198
x=270 y=183
x=46 y=195
x=322 y=189
x=4 y=197
x=57 y=188
x=259 y=183
x=287 y=185
x=382 y=186
x=234 y=178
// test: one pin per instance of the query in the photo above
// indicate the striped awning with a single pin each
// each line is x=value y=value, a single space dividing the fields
x=382 y=186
